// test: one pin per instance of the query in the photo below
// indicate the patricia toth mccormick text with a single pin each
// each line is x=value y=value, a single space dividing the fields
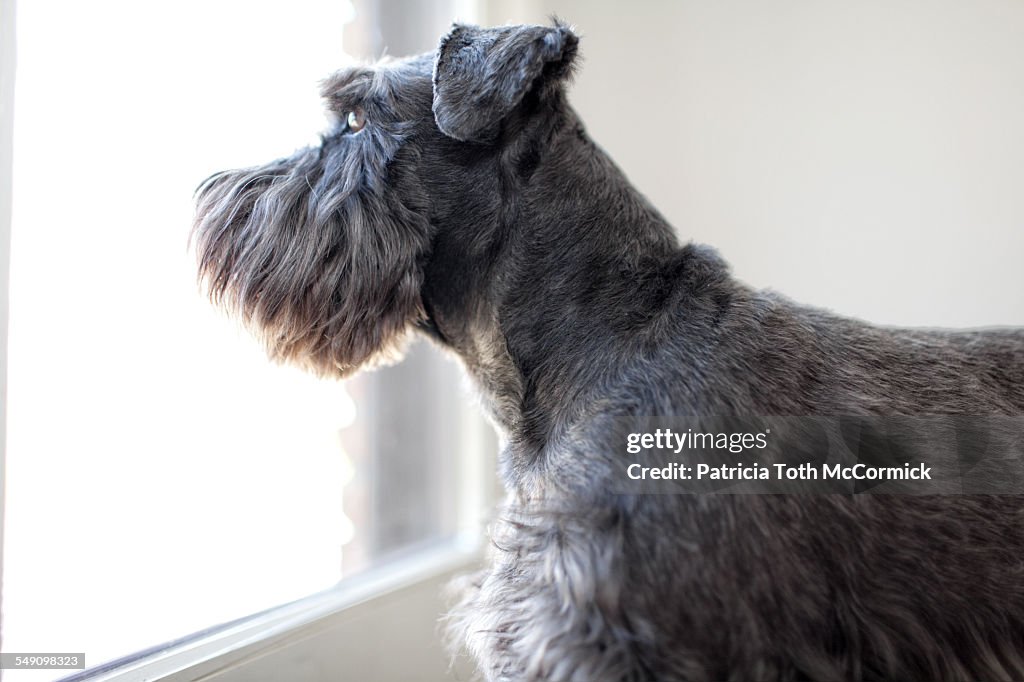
x=818 y=455
x=675 y=441
x=780 y=472
x=715 y=445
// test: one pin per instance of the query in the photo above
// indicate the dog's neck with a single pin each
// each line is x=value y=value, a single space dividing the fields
x=540 y=287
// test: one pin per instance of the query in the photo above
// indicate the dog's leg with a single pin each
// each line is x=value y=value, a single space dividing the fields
x=551 y=607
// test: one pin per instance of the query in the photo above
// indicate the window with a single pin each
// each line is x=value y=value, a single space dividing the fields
x=162 y=476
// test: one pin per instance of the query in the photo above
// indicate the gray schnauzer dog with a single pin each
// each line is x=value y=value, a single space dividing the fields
x=458 y=195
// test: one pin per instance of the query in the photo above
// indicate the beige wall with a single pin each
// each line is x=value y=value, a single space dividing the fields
x=863 y=156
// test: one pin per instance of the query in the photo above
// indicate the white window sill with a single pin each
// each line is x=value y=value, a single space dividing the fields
x=275 y=638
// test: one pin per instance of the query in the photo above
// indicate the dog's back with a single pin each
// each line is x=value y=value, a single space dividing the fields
x=791 y=359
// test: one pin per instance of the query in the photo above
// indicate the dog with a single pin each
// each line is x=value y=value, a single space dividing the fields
x=457 y=195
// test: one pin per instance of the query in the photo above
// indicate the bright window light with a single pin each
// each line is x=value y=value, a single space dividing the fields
x=163 y=477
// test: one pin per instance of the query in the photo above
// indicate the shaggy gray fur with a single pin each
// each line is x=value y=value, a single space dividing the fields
x=474 y=208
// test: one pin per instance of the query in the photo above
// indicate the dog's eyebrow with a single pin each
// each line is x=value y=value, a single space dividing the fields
x=349 y=86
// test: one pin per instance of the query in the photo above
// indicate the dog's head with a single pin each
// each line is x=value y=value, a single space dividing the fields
x=323 y=254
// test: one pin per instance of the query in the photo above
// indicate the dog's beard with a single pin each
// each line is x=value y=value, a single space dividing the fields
x=318 y=258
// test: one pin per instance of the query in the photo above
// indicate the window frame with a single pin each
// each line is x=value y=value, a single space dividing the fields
x=266 y=645
x=7 y=74
x=403 y=597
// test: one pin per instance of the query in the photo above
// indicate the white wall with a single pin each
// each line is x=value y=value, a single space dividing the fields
x=863 y=156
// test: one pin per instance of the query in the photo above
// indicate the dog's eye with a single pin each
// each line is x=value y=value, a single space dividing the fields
x=355 y=120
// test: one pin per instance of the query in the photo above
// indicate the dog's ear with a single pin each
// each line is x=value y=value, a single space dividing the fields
x=481 y=74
